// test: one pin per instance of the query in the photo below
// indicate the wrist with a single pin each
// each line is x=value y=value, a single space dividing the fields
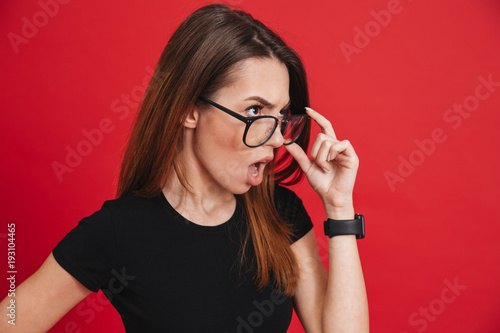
x=340 y=212
x=343 y=227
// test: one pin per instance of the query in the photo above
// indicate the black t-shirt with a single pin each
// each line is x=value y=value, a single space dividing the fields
x=164 y=273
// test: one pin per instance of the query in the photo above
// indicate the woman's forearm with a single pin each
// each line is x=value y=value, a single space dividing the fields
x=346 y=306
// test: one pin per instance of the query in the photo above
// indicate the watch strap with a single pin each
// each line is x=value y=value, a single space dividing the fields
x=346 y=227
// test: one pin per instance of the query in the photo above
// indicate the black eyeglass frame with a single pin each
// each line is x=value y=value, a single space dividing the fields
x=249 y=120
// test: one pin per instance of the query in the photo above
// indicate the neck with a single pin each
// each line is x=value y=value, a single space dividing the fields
x=200 y=200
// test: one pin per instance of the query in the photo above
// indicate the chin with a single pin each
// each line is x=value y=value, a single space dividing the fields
x=238 y=190
x=242 y=190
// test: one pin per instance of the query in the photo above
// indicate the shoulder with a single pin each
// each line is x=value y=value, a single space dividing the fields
x=281 y=192
x=285 y=197
x=288 y=204
x=132 y=205
x=292 y=210
x=125 y=209
x=129 y=202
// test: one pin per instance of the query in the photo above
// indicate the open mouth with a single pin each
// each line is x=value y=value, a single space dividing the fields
x=256 y=167
x=256 y=170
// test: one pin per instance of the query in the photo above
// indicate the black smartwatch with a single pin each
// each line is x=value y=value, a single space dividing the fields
x=346 y=227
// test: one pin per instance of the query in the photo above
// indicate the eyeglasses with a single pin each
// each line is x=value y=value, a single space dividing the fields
x=260 y=129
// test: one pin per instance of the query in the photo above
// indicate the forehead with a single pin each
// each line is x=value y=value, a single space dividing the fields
x=264 y=77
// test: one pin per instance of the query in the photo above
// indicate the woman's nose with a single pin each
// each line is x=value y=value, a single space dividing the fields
x=276 y=139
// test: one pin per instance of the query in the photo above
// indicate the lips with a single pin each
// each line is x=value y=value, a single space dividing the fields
x=256 y=170
x=265 y=160
x=261 y=163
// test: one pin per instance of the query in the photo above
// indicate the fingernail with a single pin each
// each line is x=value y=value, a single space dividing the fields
x=326 y=170
x=309 y=109
x=328 y=158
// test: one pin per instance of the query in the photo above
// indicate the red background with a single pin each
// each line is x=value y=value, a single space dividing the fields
x=438 y=222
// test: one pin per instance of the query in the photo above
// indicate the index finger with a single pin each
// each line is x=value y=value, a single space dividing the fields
x=300 y=156
x=325 y=124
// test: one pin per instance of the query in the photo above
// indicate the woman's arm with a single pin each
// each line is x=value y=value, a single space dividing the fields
x=339 y=304
x=313 y=279
x=43 y=299
x=346 y=305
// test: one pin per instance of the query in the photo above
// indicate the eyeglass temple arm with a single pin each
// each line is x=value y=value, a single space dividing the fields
x=220 y=107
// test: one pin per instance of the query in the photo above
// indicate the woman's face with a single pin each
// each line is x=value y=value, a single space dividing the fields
x=260 y=87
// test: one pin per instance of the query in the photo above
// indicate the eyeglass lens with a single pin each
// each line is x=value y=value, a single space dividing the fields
x=263 y=128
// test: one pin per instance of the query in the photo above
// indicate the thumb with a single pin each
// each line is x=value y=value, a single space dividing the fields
x=300 y=156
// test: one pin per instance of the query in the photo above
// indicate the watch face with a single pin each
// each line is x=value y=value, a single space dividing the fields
x=361 y=218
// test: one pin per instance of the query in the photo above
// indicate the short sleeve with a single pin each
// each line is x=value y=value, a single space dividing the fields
x=292 y=210
x=88 y=251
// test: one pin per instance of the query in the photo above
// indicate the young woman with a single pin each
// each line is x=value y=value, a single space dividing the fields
x=201 y=237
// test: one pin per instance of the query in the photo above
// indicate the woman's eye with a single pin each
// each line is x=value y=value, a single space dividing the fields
x=254 y=110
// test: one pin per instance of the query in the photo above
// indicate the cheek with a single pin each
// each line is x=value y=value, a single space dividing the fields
x=222 y=136
x=226 y=135
x=220 y=144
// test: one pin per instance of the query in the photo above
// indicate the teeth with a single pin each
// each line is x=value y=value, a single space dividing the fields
x=256 y=170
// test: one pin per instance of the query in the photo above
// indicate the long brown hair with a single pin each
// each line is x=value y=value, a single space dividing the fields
x=199 y=59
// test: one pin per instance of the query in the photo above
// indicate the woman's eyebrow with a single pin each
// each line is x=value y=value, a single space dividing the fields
x=265 y=102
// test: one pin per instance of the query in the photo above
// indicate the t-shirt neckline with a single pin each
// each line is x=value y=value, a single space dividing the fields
x=221 y=227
